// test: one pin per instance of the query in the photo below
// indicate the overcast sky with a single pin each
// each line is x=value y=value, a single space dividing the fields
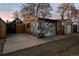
x=7 y=9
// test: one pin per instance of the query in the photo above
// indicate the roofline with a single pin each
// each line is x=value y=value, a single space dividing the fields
x=48 y=19
x=2 y=20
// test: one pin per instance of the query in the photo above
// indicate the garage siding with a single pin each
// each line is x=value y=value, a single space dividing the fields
x=44 y=28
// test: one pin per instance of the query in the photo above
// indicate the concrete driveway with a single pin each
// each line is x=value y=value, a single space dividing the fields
x=20 y=41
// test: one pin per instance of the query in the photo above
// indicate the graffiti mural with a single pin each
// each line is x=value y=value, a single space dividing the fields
x=43 y=28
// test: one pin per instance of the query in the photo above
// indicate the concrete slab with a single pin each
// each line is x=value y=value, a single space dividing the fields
x=20 y=41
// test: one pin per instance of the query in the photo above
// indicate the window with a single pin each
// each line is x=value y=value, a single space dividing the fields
x=28 y=25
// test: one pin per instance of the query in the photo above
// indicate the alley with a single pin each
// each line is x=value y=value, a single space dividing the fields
x=58 y=47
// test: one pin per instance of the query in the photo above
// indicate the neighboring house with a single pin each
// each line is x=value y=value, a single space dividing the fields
x=11 y=27
x=16 y=21
x=44 y=27
x=2 y=29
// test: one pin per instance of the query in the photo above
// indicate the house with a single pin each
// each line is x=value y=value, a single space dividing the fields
x=12 y=26
x=16 y=21
x=2 y=29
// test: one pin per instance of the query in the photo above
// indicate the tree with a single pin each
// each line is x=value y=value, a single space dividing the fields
x=36 y=9
x=66 y=10
x=16 y=14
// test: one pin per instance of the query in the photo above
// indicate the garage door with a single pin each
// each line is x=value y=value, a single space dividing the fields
x=68 y=28
x=50 y=30
x=74 y=28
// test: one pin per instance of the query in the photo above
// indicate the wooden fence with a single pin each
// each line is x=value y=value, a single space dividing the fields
x=2 y=31
x=20 y=28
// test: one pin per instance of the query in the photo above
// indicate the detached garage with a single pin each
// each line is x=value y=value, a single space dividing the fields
x=66 y=27
x=44 y=27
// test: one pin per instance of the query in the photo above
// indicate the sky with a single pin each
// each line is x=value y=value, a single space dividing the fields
x=7 y=10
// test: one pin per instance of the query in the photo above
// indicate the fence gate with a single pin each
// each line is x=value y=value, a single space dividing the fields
x=20 y=28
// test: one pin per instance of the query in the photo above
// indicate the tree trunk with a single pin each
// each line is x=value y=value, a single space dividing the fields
x=62 y=26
